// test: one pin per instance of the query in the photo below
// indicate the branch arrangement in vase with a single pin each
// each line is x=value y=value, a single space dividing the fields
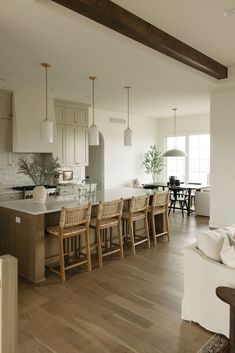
x=39 y=168
x=153 y=162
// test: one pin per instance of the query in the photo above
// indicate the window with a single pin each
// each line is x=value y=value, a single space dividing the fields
x=195 y=167
x=199 y=158
x=176 y=166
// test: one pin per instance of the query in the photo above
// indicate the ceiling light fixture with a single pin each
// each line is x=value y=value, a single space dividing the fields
x=229 y=12
x=93 y=131
x=128 y=131
x=46 y=125
x=174 y=152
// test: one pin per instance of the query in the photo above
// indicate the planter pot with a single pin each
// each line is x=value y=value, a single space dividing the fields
x=39 y=194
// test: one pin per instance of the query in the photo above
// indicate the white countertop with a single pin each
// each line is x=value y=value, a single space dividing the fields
x=54 y=204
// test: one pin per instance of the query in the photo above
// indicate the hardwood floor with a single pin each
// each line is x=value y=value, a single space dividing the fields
x=130 y=306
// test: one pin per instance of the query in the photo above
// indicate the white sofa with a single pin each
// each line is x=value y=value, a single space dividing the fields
x=200 y=304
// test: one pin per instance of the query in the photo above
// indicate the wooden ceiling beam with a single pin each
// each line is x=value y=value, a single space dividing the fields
x=124 y=22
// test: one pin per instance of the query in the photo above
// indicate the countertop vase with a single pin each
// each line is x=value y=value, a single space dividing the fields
x=39 y=194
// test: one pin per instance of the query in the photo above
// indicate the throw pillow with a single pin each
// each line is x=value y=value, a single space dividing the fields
x=227 y=255
x=211 y=242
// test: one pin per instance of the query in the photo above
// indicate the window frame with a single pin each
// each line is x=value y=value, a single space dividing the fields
x=187 y=136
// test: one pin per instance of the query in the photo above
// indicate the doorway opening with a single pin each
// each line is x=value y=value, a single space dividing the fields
x=95 y=169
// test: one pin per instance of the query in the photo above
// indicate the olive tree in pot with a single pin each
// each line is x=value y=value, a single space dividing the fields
x=39 y=168
x=153 y=162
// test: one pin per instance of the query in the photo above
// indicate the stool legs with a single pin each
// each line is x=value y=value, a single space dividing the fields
x=88 y=251
x=153 y=228
x=130 y=226
x=167 y=225
x=99 y=247
x=147 y=230
x=120 y=240
x=62 y=270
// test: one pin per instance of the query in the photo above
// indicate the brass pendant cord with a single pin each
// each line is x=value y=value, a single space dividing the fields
x=174 y=109
x=46 y=66
x=128 y=105
x=93 y=78
x=46 y=91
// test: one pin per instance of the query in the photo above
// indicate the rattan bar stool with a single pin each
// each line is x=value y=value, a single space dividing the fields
x=74 y=223
x=109 y=215
x=159 y=206
x=138 y=210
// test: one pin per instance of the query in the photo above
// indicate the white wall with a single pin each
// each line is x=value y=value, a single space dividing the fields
x=222 y=201
x=185 y=125
x=124 y=163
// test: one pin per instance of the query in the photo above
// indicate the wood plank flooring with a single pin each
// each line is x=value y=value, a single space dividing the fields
x=130 y=306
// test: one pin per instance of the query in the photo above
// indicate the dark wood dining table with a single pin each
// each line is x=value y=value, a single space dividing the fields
x=189 y=187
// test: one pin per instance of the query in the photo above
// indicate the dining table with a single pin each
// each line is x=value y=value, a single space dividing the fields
x=176 y=188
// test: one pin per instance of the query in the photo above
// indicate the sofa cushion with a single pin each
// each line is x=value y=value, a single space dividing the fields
x=228 y=255
x=231 y=233
x=211 y=242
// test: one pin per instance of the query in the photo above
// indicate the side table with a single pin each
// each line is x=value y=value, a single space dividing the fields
x=227 y=295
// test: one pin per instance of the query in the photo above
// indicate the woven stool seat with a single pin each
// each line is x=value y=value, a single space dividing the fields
x=104 y=223
x=135 y=217
x=68 y=232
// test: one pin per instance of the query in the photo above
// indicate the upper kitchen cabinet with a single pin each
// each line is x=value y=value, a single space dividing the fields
x=60 y=114
x=72 y=142
x=76 y=116
x=28 y=113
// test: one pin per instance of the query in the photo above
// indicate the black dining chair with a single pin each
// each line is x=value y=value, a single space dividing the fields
x=178 y=195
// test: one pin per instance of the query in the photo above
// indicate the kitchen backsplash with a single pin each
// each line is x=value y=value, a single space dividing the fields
x=9 y=175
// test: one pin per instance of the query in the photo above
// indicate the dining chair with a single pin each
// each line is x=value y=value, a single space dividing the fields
x=73 y=224
x=109 y=216
x=178 y=195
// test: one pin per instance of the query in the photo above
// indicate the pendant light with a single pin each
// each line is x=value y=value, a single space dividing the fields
x=93 y=132
x=46 y=125
x=174 y=152
x=128 y=131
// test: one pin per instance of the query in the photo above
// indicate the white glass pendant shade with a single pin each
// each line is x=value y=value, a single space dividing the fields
x=93 y=131
x=174 y=153
x=128 y=131
x=47 y=131
x=93 y=135
x=128 y=137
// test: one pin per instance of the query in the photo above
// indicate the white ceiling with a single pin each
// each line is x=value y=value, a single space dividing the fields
x=35 y=31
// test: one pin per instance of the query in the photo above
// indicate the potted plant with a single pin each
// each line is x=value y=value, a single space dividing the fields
x=153 y=162
x=39 y=168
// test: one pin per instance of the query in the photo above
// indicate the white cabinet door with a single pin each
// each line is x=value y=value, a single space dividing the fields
x=5 y=141
x=76 y=116
x=81 y=146
x=69 y=146
x=60 y=114
x=12 y=196
x=61 y=144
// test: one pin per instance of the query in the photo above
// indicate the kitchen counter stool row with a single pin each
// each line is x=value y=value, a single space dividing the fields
x=74 y=225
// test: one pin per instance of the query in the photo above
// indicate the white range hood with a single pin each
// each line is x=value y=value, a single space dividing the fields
x=28 y=113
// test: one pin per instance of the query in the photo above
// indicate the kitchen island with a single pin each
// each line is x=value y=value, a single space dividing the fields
x=23 y=222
